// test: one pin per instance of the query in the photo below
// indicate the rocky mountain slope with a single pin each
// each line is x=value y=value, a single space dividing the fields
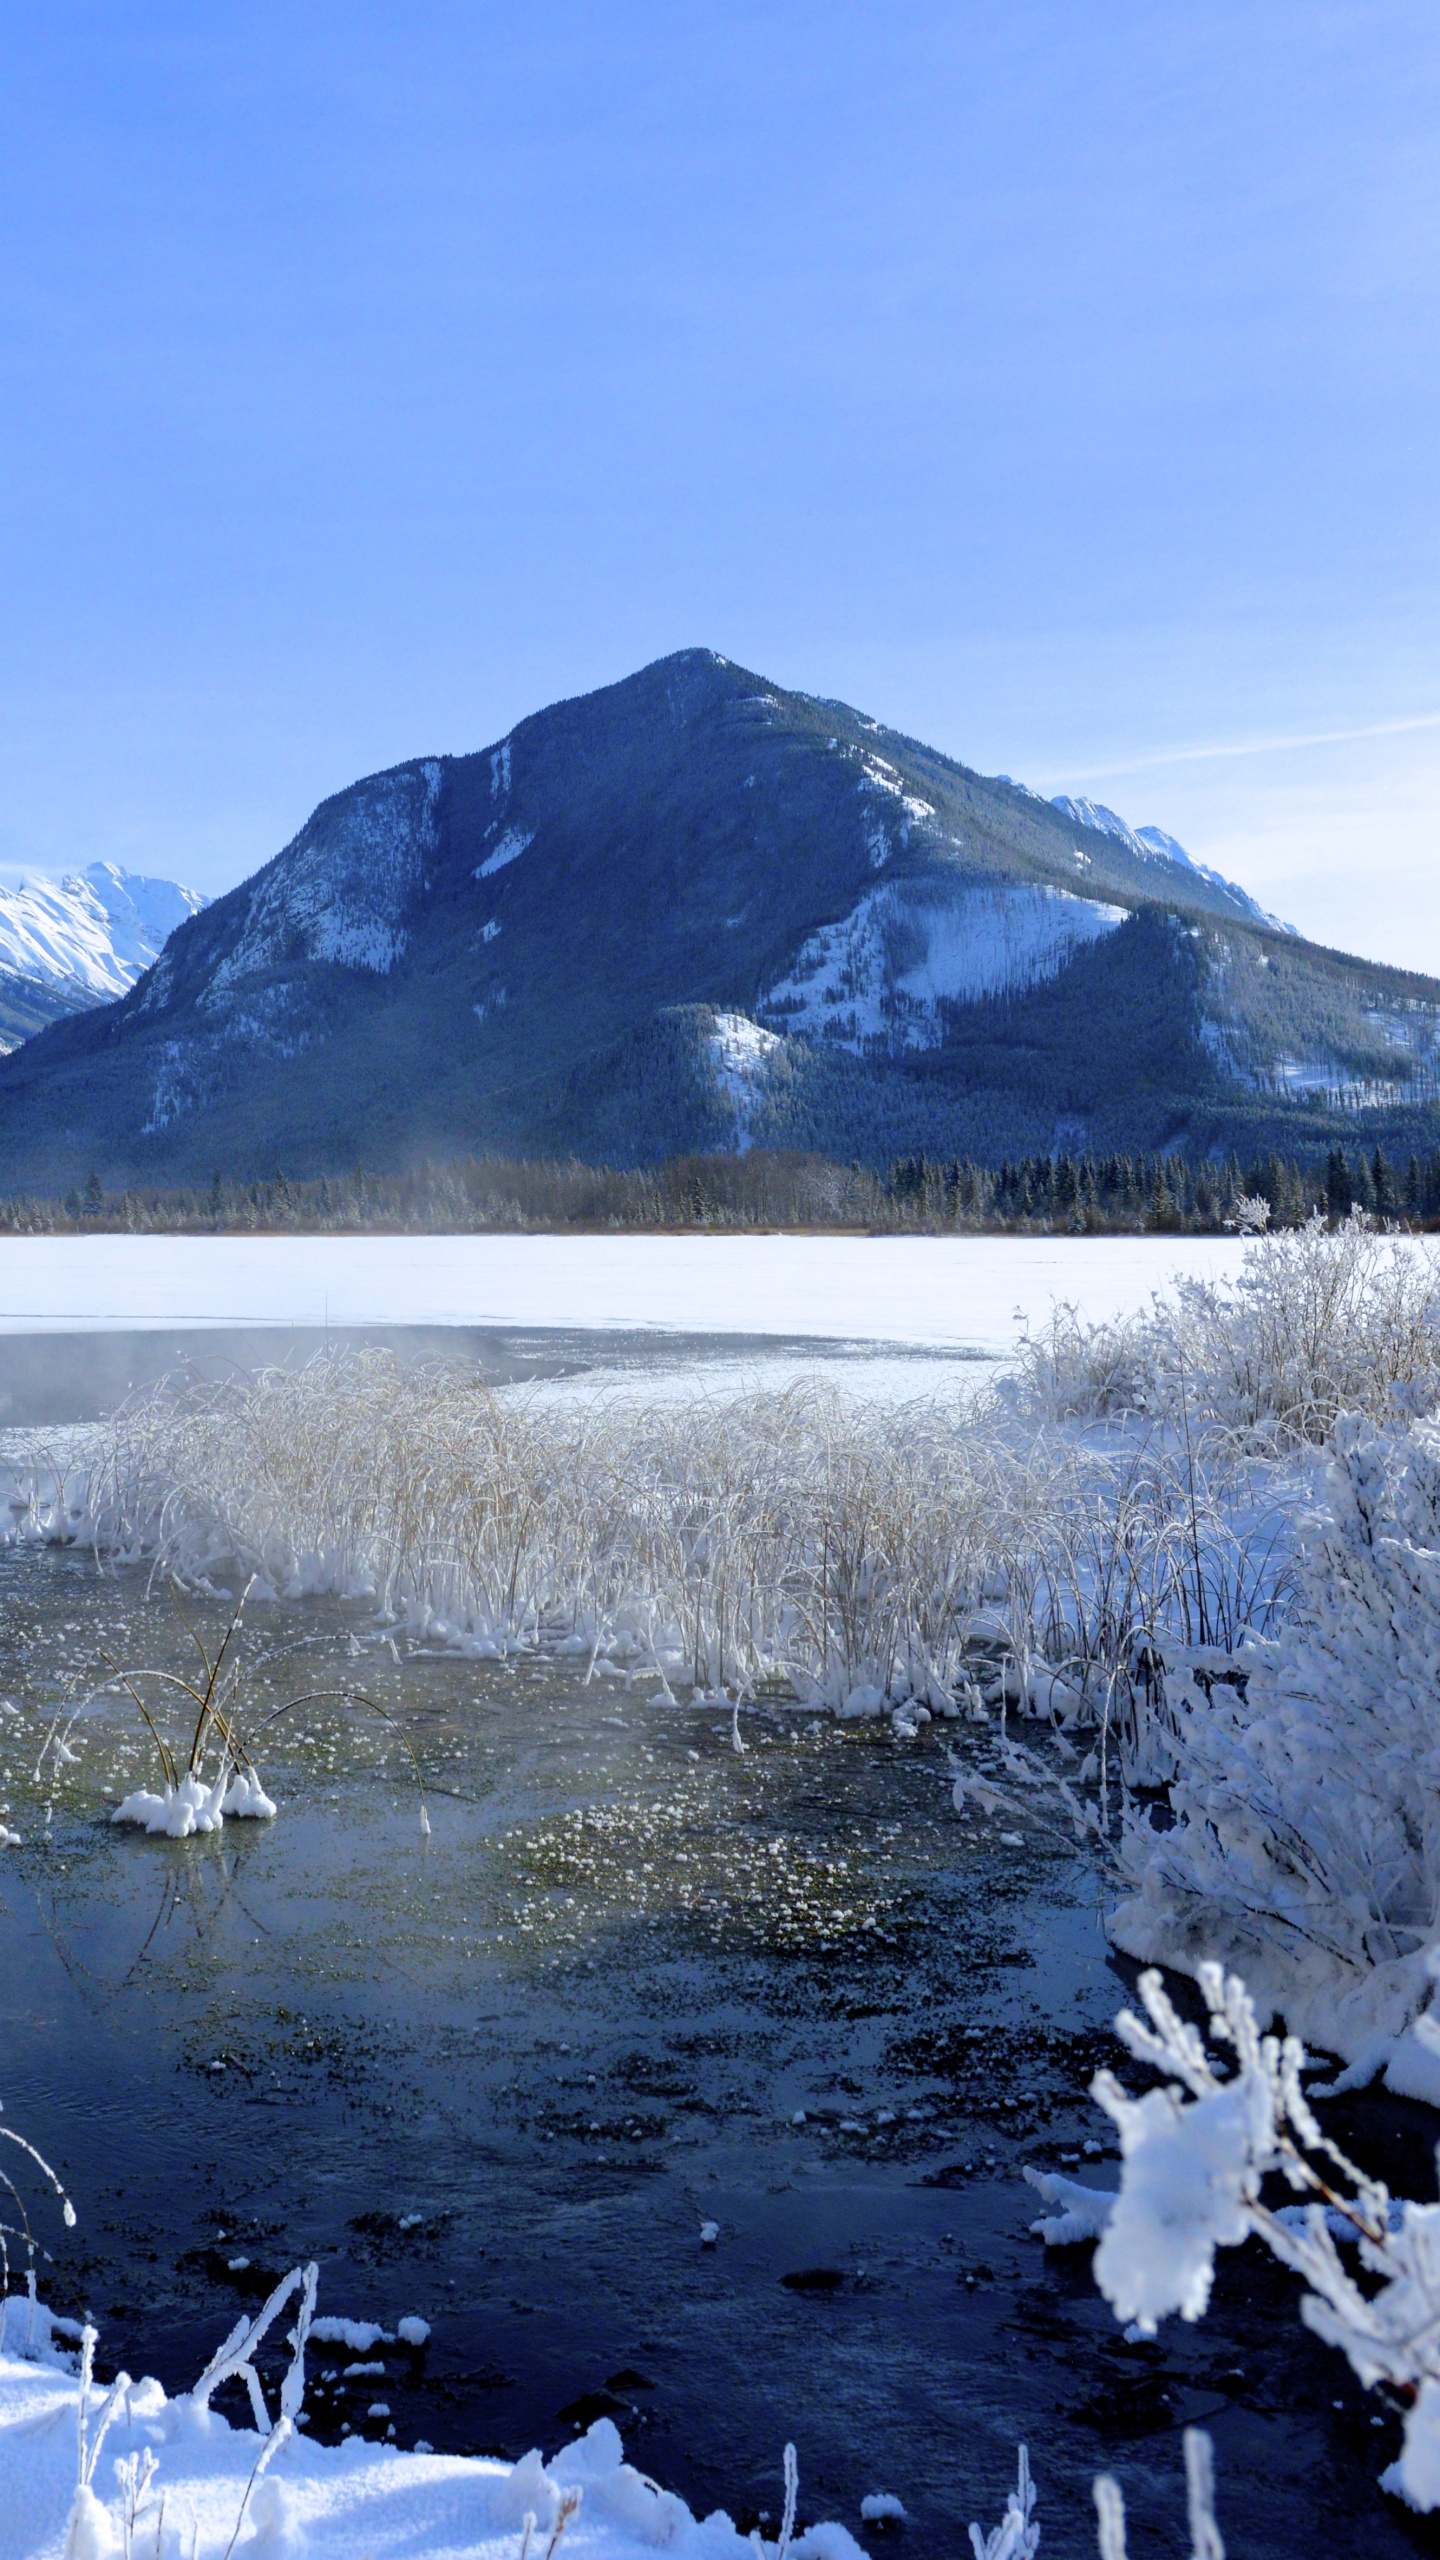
x=67 y=945
x=695 y=910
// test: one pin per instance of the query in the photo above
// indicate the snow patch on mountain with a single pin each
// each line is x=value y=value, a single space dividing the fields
x=93 y=933
x=1385 y=1055
x=176 y=1089
x=879 y=775
x=887 y=970
x=740 y=1052
x=341 y=891
x=511 y=845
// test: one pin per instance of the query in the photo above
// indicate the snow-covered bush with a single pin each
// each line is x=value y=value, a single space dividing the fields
x=1318 y=1322
x=1302 y=1841
x=1195 y=2155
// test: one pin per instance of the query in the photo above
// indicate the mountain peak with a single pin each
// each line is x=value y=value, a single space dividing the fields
x=85 y=939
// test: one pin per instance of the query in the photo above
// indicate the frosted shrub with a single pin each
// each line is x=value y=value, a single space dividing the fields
x=1195 y=2155
x=1072 y=1369
x=1320 y=1321
x=1305 y=1838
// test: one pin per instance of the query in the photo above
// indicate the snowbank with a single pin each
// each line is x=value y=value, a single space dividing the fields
x=345 y=2499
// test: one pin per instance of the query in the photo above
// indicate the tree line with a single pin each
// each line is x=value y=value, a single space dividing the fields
x=1061 y=1194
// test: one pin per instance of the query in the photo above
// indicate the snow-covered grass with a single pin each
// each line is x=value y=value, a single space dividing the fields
x=131 y=2473
x=91 y=2475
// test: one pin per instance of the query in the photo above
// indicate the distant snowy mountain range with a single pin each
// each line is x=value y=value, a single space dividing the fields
x=67 y=945
x=1154 y=843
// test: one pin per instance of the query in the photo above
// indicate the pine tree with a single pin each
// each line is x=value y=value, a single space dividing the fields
x=1383 y=1180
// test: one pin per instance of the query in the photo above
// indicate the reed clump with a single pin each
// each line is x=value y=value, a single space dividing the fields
x=928 y=1559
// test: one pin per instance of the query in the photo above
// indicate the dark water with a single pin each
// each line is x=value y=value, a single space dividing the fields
x=501 y=2077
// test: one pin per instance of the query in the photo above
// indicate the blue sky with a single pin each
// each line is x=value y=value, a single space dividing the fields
x=1056 y=379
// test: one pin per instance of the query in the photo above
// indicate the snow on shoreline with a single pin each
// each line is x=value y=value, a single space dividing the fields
x=351 y=2498
x=927 y=1290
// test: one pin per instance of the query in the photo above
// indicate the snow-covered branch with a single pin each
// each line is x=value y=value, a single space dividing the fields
x=1195 y=2155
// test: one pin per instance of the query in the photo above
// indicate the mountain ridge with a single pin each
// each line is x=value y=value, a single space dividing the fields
x=696 y=908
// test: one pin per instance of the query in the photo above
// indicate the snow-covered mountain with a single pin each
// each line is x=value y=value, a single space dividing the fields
x=693 y=910
x=89 y=936
x=1154 y=844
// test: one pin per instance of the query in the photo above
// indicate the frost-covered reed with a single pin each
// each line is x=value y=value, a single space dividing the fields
x=928 y=1559
x=1228 y=2119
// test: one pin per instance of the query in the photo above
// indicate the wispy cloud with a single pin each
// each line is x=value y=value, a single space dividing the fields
x=1154 y=760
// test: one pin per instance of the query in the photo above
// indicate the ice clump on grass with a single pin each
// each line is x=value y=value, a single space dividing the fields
x=245 y=1799
x=1084 y=2211
x=195 y=1806
x=36 y=2335
x=359 y=2335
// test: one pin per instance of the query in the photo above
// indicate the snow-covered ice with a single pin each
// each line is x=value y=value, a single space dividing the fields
x=1084 y=2211
x=939 y=1291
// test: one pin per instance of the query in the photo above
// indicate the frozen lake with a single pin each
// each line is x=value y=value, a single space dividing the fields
x=937 y=1293
x=84 y=1320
